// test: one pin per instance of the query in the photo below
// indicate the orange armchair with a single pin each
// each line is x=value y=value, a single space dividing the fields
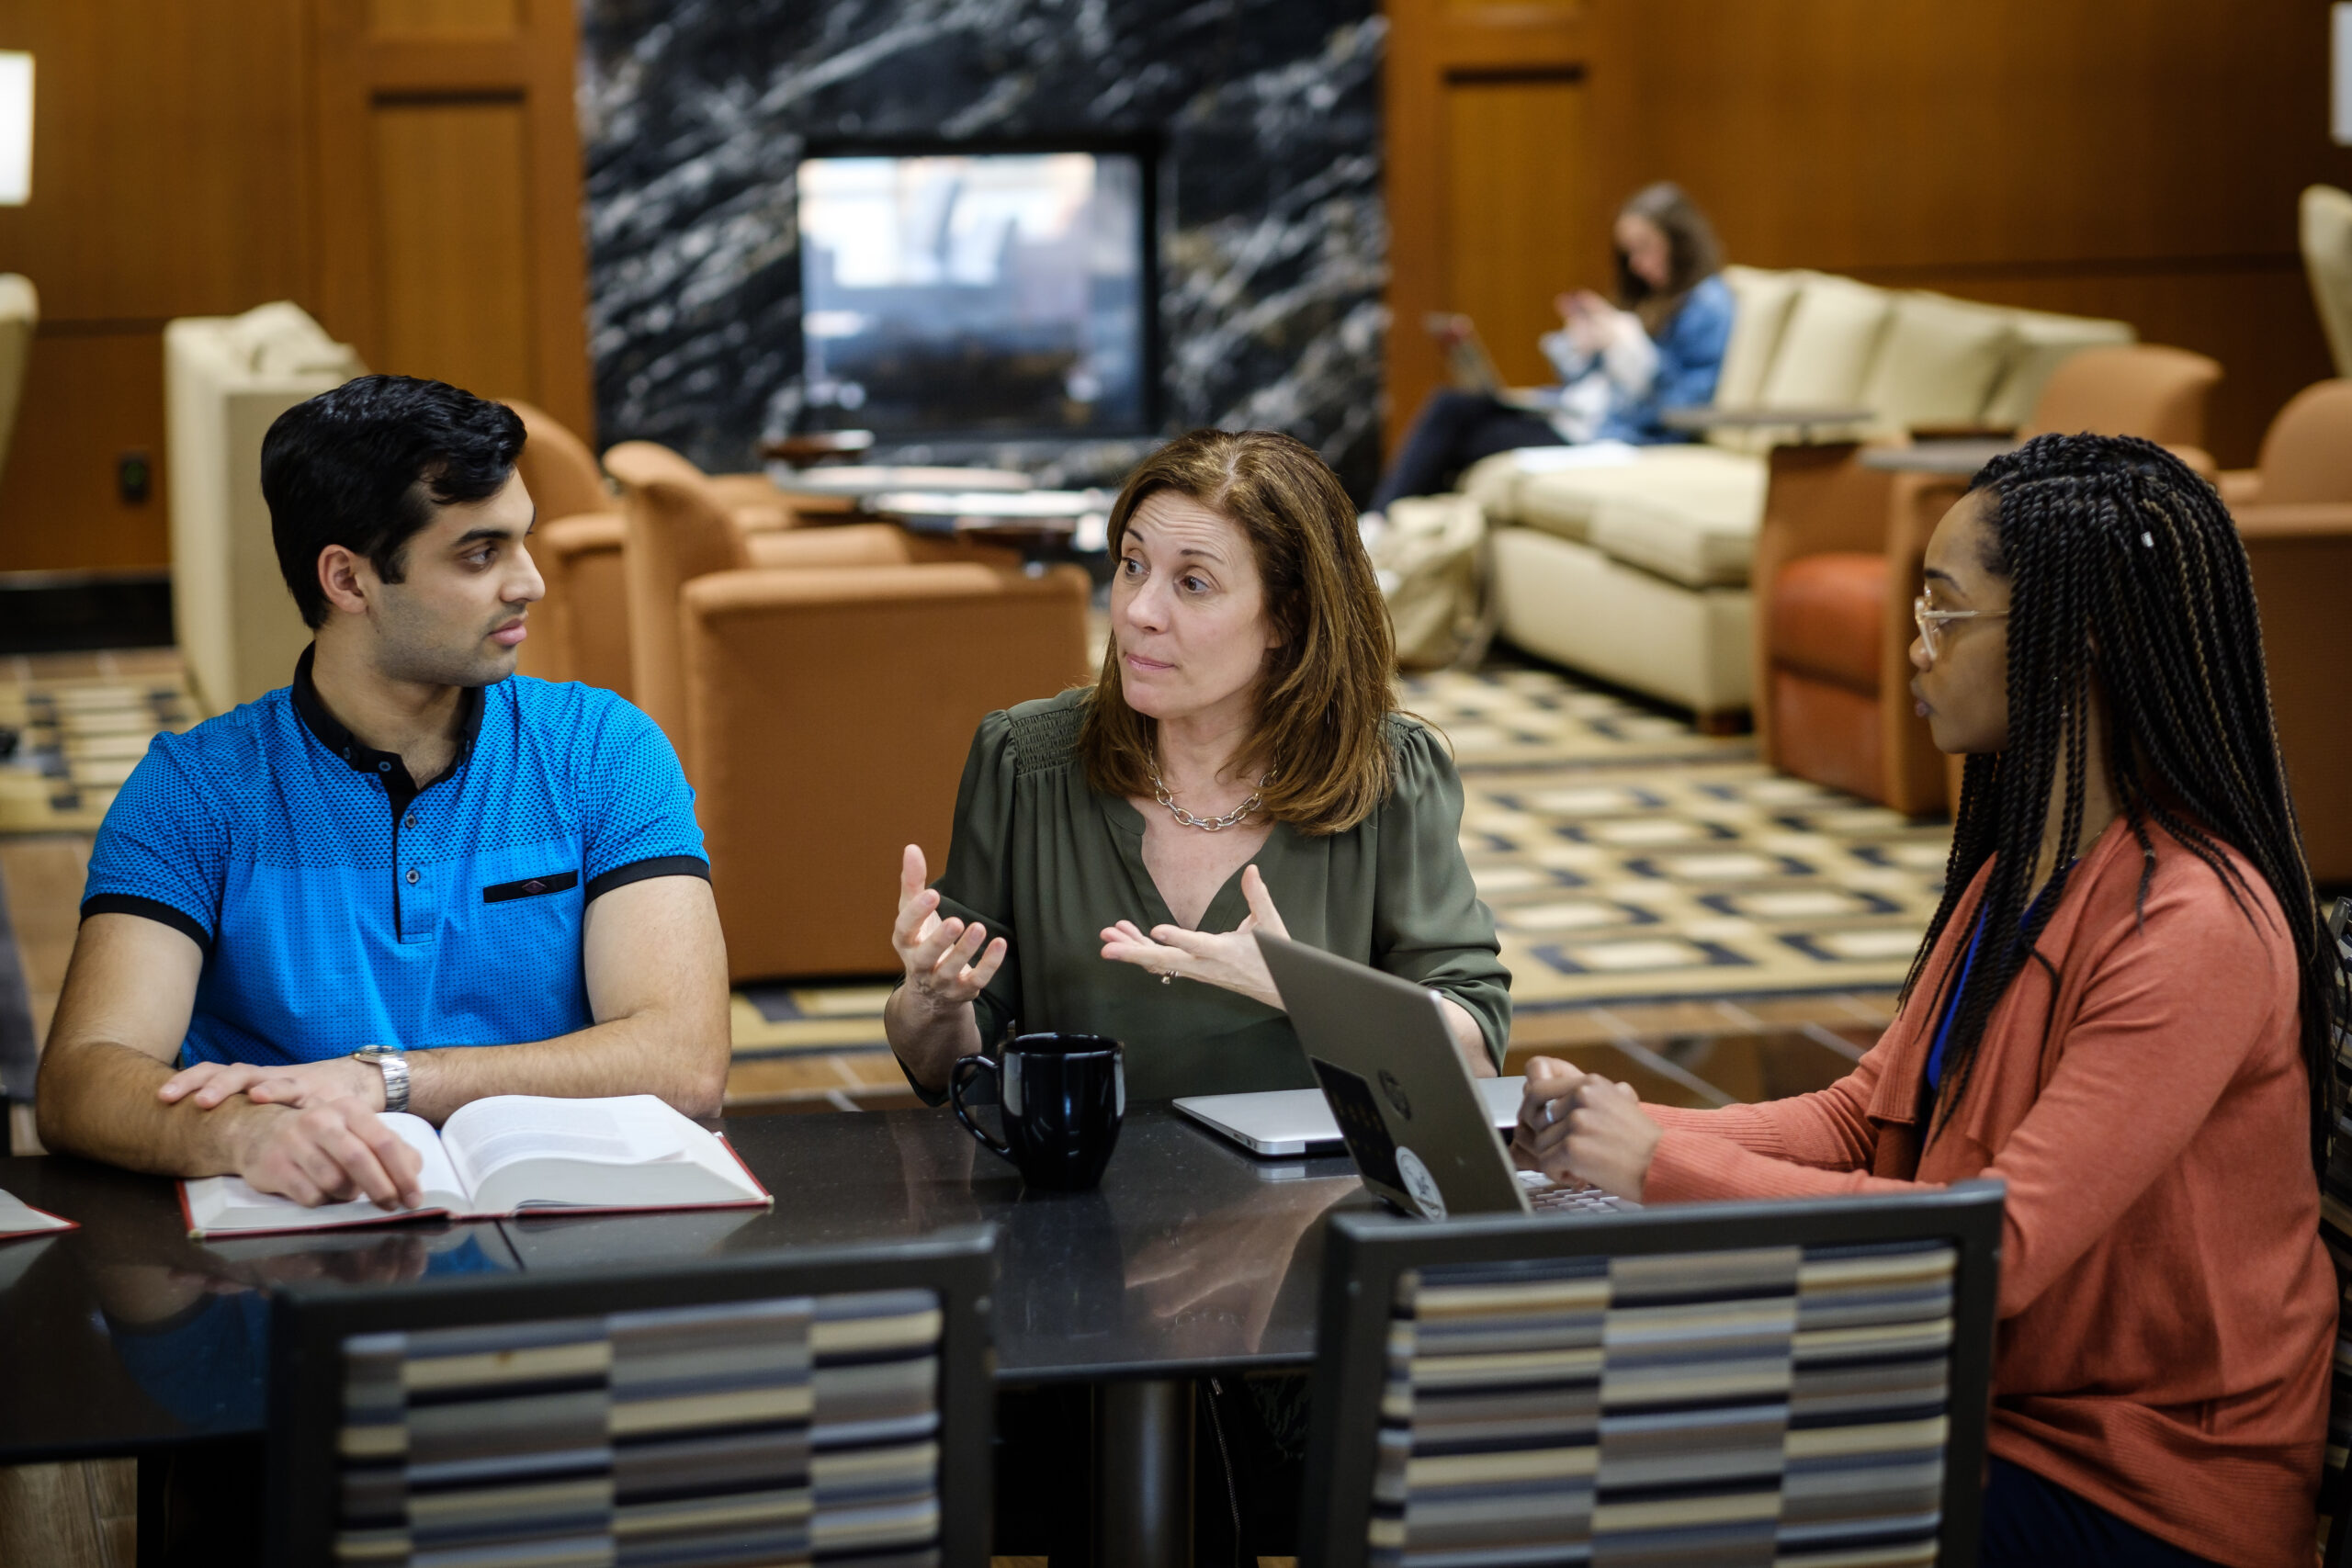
x=1837 y=563
x=821 y=687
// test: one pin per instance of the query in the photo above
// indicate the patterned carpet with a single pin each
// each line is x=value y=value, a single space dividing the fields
x=1628 y=859
x=76 y=737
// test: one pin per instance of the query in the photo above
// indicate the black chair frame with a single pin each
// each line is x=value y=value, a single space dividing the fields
x=1365 y=1254
x=2336 y=1489
x=310 y=1321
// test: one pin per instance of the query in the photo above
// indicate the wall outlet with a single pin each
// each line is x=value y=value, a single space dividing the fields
x=134 y=476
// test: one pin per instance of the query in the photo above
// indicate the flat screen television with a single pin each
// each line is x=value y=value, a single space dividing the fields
x=1000 y=294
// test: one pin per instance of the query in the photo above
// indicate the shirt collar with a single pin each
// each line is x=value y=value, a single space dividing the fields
x=363 y=757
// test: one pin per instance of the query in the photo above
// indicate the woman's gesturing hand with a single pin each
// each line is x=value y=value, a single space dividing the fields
x=1578 y=1126
x=1228 y=959
x=939 y=955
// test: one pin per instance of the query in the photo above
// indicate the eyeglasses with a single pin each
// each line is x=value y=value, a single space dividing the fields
x=1931 y=621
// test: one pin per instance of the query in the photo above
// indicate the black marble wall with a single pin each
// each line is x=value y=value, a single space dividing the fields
x=694 y=113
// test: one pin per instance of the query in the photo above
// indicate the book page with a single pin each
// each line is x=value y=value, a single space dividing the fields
x=231 y=1202
x=18 y=1217
x=491 y=1134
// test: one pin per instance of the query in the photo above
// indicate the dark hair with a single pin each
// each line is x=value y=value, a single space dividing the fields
x=365 y=464
x=1327 y=693
x=2125 y=569
x=1692 y=249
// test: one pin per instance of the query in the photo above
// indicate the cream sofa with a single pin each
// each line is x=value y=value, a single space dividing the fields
x=225 y=378
x=1630 y=563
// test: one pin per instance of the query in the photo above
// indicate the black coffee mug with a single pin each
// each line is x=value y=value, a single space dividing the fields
x=1061 y=1097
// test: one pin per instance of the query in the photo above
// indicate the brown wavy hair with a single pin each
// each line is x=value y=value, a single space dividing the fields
x=1326 y=693
x=1693 y=254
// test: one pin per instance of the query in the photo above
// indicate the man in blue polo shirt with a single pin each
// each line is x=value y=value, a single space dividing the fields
x=410 y=879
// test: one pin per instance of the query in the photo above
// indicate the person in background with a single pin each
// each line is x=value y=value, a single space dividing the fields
x=408 y=879
x=1660 y=347
x=2123 y=1009
x=1240 y=766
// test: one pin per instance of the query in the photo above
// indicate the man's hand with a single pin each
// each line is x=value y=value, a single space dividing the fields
x=208 y=1084
x=1579 y=1126
x=1227 y=959
x=329 y=1153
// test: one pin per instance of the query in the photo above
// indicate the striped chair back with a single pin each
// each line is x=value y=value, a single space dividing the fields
x=1742 y=1384
x=2335 y=1230
x=767 y=1411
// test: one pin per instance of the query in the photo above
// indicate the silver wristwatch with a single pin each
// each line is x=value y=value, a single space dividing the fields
x=394 y=1067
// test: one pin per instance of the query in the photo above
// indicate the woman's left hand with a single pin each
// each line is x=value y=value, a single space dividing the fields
x=1229 y=959
x=1597 y=1133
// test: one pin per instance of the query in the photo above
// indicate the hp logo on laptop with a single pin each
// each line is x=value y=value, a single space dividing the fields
x=1395 y=1093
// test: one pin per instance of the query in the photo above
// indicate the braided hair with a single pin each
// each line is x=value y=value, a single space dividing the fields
x=2124 y=566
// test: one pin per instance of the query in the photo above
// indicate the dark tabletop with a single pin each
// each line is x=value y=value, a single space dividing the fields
x=1192 y=1256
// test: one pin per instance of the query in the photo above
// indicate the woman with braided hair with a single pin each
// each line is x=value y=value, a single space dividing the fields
x=2123 y=1009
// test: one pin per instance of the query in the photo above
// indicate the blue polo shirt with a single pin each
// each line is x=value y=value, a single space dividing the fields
x=339 y=904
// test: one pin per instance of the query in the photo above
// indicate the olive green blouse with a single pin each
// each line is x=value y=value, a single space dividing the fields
x=1046 y=863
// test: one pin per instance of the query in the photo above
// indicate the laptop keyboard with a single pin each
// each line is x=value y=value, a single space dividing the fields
x=1547 y=1197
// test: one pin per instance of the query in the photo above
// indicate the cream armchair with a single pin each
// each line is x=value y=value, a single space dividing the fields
x=2325 y=221
x=225 y=380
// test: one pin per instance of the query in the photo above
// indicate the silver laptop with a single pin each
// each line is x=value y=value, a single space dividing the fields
x=1472 y=369
x=1286 y=1123
x=1420 y=1131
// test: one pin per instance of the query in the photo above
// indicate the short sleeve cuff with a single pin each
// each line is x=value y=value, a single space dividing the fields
x=645 y=871
x=934 y=1098
x=151 y=910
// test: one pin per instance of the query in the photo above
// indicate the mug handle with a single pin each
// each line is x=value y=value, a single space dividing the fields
x=965 y=1067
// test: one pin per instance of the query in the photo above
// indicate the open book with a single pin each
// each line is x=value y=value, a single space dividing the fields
x=512 y=1154
x=20 y=1218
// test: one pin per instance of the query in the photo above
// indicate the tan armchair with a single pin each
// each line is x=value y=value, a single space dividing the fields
x=2294 y=516
x=2306 y=453
x=581 y=630
x=577 y=630
x=822 y=686
x=1837 y=563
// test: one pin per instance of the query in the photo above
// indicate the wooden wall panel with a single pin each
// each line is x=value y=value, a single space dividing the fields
x=161 y=182
x=167 y=182
x=444 y=18
x=1486 y=179
x=408 y=171
x=1513 y=207
x=90 y=397
x=453 y=233
x=2130 y=158
x=449 y=194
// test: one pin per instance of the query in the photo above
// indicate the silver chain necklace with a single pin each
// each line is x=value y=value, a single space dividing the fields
x=1232 y=819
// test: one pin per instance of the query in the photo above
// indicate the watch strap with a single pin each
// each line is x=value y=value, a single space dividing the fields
x=390 y=1061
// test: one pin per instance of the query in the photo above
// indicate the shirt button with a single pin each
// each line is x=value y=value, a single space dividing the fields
x=409 y=821
x=411 y=876
x=383 y=767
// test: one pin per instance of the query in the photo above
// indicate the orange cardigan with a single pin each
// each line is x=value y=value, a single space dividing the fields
x=2168 y=1313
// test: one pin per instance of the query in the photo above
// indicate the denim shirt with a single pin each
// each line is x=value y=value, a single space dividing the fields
x=1690 y=357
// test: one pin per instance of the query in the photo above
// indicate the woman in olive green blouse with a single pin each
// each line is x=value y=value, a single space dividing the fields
x=1241 y=765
